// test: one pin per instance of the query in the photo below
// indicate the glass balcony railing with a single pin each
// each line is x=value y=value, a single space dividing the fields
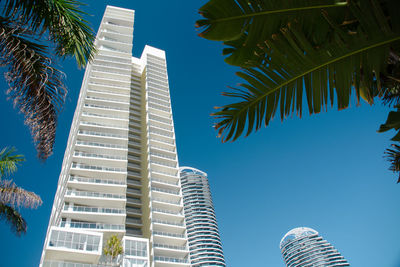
x=74 y=178
x=160 y=132
x=166 y=200
x=102 y=134
x=163 y=163
x=105 y=99
x=101 y=156
x=105 y=107
x=160 y=97
x=97 y=168
x=167 y=211
x=169 y=234
x=100 y=226
x=104 y=116
x=169 y=259
x=109 y=92
x=100 y=144
x=94 y=209
x=164 y=148
x=70 y=264
x=156 y=245
x=94 y=194
x=109 y=70
x=165 y=182
x=167 y=222
x=165 y=173
x=158 y=107
x=106 y=85
x=103 y=125
x=164 y=190
x=166 y=156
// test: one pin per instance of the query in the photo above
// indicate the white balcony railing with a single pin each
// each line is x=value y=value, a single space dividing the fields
x=94 y=209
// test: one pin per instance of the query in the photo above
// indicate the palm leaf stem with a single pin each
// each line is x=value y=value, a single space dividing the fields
x=269 y=12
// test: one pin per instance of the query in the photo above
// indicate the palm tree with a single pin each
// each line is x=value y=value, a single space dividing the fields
x=13 y=197
x=323 y=50
x=31 y=31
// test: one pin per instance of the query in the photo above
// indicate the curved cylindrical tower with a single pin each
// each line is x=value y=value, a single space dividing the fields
x=303 y=246
x=204 y=242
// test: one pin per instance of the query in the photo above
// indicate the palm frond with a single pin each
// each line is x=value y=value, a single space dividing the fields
x=392 y=122
x=393 y=156
x=12 y=195
x=8 y=161
x=348 y=62
x=64 y=22
x=36 y=87
x=13 y=218
x=244 y=25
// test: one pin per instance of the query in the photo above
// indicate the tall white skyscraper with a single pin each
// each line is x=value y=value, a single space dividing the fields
x=120 y=173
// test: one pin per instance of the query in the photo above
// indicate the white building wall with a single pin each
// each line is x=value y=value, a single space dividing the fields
x=120 y=168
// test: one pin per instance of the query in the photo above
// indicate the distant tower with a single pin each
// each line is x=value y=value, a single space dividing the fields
x=204 y=242
x=303 y=246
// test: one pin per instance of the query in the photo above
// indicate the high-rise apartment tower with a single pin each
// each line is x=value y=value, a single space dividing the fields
x=120 y=173
x=303 y=247
x=203 y=236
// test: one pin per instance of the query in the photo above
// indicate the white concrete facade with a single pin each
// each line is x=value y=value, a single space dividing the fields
x=120 y=173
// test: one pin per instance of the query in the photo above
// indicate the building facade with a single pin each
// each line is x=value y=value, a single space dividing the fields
x=303 y=246
x=203 y=236
x=120 y=173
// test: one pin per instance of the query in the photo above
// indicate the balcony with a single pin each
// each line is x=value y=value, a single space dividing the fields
x=167 y=201
x=99 y=156
x=95 y=226
x=97 y=214
x=164 y=222
x=167 y=191
x=81 y=169
x=163 y=211
x=95 y=198
x=97 y=184
x=65 y=244
x=183 y=248
x=169 y=234
x=171 y=261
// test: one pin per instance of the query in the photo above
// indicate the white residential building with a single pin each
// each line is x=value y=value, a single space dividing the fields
x=120 y=173
x=205 y=245
x=304 y=247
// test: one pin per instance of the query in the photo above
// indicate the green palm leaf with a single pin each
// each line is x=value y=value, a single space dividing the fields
x=64 y=22
x=393 y=156
x=14 y=218
x=9 y=161
x=351 y=60
x=244 y=25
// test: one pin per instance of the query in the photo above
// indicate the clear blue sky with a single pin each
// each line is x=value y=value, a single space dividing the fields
x=325 y=171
